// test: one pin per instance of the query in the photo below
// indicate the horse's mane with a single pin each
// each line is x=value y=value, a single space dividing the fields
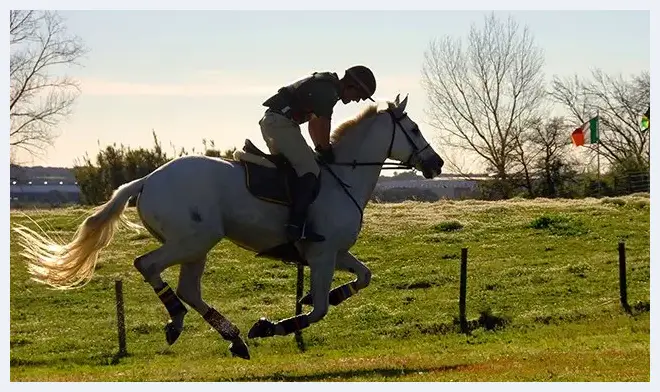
x=347 y=125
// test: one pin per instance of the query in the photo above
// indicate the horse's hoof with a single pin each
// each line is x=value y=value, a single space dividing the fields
x=171 y=333
x=262 y=329
x=307 y=300
x=239 y=349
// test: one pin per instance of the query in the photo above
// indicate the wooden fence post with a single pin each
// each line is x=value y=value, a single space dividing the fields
x=121 y=325
x=463 y=291
x=623 y=285
x=300 y=283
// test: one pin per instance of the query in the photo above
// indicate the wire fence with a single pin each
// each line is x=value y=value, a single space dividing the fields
x=632 y=183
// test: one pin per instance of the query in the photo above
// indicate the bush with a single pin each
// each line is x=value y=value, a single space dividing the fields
x=558 y=225
x=115 y=166
x=614 y=201
x=448 y=226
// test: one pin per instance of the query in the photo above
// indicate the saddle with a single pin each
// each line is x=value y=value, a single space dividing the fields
x=267 y=176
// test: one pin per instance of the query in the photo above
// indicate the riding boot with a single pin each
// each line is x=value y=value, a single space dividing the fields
x=304 y=192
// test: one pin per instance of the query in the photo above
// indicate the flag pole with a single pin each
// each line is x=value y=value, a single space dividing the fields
x=598 y=149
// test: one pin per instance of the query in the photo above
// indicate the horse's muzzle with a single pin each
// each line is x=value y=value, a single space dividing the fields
x=432 y=166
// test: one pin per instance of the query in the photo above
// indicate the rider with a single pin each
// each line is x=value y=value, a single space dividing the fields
x=312 y=100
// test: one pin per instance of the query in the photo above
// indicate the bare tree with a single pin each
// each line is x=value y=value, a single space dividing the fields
x=524 y=155
x=550 y=143
x=40 y=48
x=479 y=95
x=620 y=104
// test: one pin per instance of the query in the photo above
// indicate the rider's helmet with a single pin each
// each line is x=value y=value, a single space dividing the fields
x=362 y=78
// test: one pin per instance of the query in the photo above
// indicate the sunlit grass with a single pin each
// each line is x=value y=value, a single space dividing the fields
x=547 y=267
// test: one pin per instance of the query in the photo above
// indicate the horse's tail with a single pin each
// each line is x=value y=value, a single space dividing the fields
x=72 y=265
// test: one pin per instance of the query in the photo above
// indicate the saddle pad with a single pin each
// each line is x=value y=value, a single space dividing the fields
x=266 y=183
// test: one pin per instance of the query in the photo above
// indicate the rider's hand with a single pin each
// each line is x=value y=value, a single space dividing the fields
x=326 y=154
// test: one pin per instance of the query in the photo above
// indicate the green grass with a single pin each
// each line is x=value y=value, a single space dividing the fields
x=542 y=303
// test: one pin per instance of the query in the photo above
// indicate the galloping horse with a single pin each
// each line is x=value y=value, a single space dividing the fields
x=190 y=203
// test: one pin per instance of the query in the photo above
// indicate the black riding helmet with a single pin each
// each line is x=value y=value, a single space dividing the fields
x=364 y=79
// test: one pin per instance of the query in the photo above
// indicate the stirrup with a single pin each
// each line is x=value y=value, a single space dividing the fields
x=305 y=235
x=311 y=236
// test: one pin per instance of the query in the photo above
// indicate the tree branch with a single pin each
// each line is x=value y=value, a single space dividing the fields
x=39 y=49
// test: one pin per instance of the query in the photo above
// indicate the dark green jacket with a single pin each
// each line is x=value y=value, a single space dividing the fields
x=317 y=94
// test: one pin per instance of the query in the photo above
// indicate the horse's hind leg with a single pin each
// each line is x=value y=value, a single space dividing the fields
x=151 y=265
x=190 y=291
x=346 y=262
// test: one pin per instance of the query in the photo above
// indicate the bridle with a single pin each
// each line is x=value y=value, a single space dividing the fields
x=396 y=121
x=403 y=165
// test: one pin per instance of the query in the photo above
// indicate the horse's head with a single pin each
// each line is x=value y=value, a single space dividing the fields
x=408 y=145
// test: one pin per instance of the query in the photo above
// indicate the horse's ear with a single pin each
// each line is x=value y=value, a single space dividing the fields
x=401 y=106
x=396 y=100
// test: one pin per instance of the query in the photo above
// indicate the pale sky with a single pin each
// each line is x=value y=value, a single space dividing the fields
x=191 y=75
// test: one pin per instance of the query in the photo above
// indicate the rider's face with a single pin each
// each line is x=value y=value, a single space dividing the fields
x=351 y=95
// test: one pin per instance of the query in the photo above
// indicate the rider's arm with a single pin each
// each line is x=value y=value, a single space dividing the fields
x=319 y=131
x=323 y=99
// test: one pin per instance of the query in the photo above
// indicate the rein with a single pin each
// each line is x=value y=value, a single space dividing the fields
x=354 y=164
x=391 y=165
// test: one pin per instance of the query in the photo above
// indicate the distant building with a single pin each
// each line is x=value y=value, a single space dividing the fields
x=43 y=191
x=444 y=188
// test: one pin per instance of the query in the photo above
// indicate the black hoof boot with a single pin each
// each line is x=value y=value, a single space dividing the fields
x=239 y=349
x=262 y=329
x=172 y=333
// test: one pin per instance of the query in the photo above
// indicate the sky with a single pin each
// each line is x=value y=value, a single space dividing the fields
x=194 y=75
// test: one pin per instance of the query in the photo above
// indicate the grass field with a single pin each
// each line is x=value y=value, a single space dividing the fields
x=542 y=298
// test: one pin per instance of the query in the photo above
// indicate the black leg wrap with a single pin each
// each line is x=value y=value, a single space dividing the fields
x=172 y=303
x=339 y=294
x=227 y=330
x=336 y=295
x=294 y=324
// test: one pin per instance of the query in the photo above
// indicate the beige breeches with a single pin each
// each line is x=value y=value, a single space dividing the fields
x=284 y=136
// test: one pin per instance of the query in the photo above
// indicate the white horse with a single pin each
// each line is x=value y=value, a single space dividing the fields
x=190 y=203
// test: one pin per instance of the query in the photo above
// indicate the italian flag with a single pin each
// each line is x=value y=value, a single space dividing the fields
x=587 y=133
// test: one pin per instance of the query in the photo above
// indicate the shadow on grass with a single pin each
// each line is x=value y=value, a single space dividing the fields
x=486 y=321
x=639 y=308
x=106 y=359
x=342 y=375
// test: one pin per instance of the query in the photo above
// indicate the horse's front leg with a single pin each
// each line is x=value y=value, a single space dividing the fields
x=346 y=262
x=322 y=268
